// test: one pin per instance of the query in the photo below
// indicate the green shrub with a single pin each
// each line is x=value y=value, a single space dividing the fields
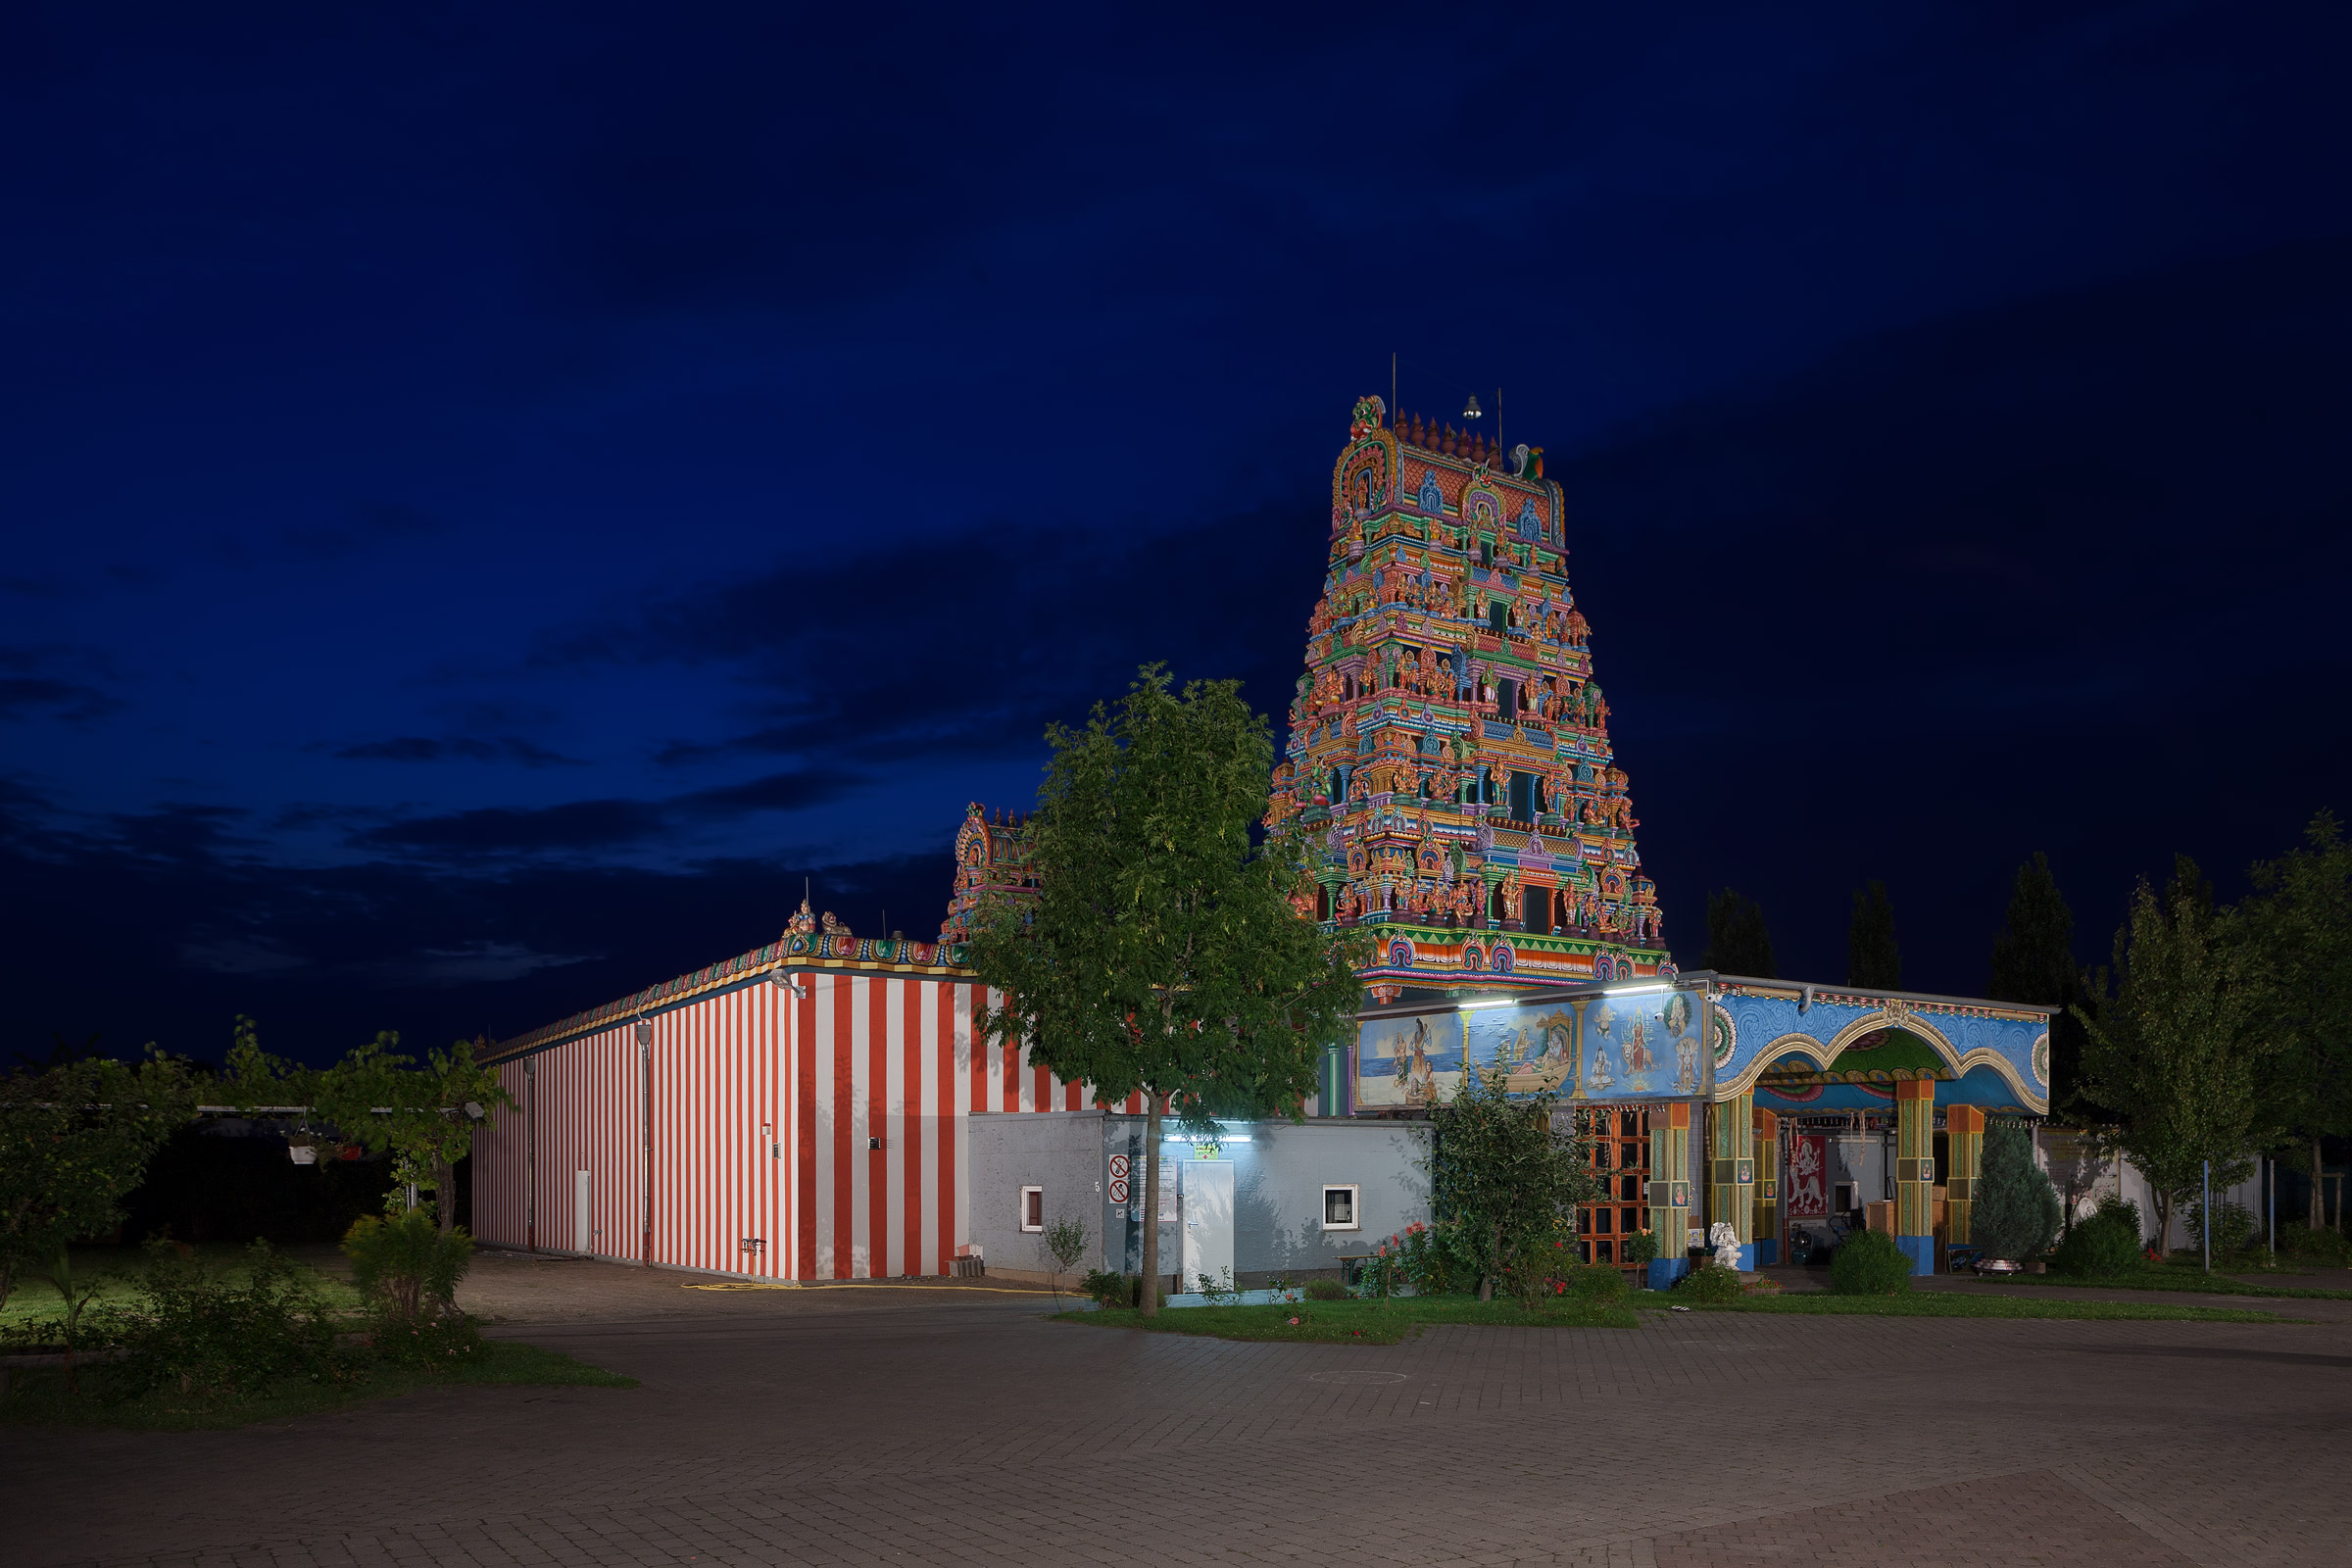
x=1870 y=1263
x=194 y=1331
x=2123 y=1211
x=2017 y=1211
x=2324 y=1246
x=1710 y=1285
x=1436 y=1260
x=406 y=1267
x=1326 y=1290
x=1639 y=1248
x=2107 y=1243
x=1596 y=1284
x=2233 y=1226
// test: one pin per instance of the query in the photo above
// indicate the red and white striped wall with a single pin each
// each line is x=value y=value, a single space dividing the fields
x=806 y=1124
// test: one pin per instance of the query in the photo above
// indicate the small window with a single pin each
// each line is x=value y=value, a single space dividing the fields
x=1844 y=1201
x=1339 y=1210
x=1033 y=1209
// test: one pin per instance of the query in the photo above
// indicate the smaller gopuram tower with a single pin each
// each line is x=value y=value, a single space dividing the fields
x=1448 y=744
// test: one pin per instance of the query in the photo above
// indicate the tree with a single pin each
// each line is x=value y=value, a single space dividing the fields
x=2174 y=1054
x=1502 y=1172
x=2033 y=960
x=75 y=1138
x=377 y=1098
x=1160 y=953
x=2016 y=1213
x=2294 y=934
x=1738 y=942
x=1872 y=958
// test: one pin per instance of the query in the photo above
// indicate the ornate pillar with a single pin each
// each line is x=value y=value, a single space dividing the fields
x=1964 y=1137
x=1915 y=1171
x=1732 y=1171
x=1669 y=1191
x=1768 y=1188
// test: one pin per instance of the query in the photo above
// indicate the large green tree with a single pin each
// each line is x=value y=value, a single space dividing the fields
x=76 y=1137
x=1738 y=942
x=380 y=1099
x=2033 y=960
x=2177 y=1054
x=1161 y=950
x=2294 y=934
x=1872 y=958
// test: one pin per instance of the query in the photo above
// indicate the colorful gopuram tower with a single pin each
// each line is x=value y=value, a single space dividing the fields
x=1448 y=744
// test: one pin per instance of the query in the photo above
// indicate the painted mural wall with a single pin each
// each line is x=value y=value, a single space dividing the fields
x=1797 y=1048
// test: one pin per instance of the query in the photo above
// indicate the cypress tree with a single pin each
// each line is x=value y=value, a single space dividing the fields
x=1738 y=942
x=2033 y=960
x=2017 y=1210
x=1872 y=958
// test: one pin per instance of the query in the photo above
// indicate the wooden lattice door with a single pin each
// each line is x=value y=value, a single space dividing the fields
x=1618 y=1137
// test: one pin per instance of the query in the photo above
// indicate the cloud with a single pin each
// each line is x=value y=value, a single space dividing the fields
x=510 y=829
x=52 y=681
x=600 y=825
x=238 y=956
x=471 y=963
x=455 y=748
x=969 y=645
x=106 y=935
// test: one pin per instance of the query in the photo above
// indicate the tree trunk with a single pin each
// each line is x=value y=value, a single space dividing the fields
x=1147 y=1299
x=445 y=1193
x=2163 y=1221
x=2318 y=1215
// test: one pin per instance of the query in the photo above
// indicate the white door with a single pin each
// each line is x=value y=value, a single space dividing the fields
x=1208 y=1221
x=581 y=1234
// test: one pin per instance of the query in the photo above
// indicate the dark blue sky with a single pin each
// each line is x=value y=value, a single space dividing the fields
x=493 y=502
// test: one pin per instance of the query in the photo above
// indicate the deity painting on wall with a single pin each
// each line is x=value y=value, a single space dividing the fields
x=1409 y=1063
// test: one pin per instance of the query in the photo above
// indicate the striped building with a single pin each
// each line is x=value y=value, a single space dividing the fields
x=800 y=1112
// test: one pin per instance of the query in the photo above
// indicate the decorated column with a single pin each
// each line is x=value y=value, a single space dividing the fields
x=1669 y=1191
x=1768 y=1188
x=1964 y=1129
x=1915 y=1171
x=1732 y=1171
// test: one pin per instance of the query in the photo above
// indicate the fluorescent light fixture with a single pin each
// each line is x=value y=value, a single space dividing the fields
x=1637 y=991
x=1220 y=1140
x=1498 y=1002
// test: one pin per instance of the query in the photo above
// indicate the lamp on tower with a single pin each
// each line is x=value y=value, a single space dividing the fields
x=1472 y=412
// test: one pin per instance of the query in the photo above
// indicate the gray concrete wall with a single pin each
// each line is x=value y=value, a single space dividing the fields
x=1058 y=1151
x=1279 y=1176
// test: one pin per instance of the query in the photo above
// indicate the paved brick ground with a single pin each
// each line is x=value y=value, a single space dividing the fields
x=921 y=1426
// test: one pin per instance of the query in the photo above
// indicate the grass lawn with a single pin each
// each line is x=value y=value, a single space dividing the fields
x=1946 y=1303
x=37 y=1397
x=1358 y=1322
x=116 y=1271
x=1363 y=1322
x=2174 y=1277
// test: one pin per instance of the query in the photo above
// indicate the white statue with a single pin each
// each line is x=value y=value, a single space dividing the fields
x=1726 y=1243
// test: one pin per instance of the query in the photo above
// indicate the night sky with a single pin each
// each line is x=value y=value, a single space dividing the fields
x=494 y=501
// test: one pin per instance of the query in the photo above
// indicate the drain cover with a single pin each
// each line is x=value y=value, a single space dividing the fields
x=1356 y=1375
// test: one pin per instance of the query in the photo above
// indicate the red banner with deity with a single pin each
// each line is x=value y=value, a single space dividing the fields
x=1808 y=1177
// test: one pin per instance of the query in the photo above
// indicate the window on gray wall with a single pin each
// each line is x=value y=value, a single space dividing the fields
x=1033 y=1209
x=1339 y=1211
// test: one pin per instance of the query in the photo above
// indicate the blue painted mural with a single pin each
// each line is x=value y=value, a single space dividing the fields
x=1797 y=1048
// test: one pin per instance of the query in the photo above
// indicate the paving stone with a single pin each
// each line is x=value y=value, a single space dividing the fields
x=935 y=1426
